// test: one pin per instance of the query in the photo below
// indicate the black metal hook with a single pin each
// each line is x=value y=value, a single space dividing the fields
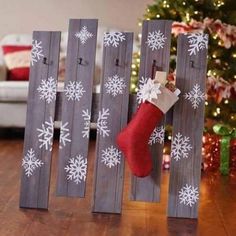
x=192 y=64
x=80 y=60
x=117 y=62
x=45 y=61
x=154 y=68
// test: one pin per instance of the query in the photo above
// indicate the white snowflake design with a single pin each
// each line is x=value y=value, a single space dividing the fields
x=76 y=169
x=48 y=90
x=74 y=91
x=83 y=35
x=157 y=135
x=148 y=90
x=195 y=96
x=102 y=127
x=30 y=163
x=115 y=85
x=86 y=116
x=188 y=195
x=197 y=42
x=113 y=38
x=111 y=156
x=180 y=147
x=64 y=135
x=156 y=40
x=45 y=135
x=36 y=51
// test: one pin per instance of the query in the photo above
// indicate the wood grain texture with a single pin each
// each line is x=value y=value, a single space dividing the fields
x=148 y=188
x=108 y=181
x=189 y=122
x=74 y=109
x=35 y=188
x=95 y=108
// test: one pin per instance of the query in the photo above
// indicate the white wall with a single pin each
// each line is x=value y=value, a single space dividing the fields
x=24 y=16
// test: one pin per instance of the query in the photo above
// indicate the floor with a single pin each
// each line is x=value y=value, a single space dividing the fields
x=70 y=216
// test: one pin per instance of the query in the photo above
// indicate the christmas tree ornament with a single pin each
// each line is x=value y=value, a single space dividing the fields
x=133 y=139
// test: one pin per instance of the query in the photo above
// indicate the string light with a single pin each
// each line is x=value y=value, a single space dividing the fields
x=206 y=103
x=218 y=110
x=209 y=73
x=226 y=101
x=215 y=113
x=158 y=16
x=169 y=137
x=218 y=3
x=234 y=55
x=140 y=23
x=214 y=55
x=187 y=16
x=184 y=3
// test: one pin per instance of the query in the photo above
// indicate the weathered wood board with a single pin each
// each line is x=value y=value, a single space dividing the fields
x=154 y=56
x=113 y=114
x=76 y=107
x=35 y=178
x=188 y=123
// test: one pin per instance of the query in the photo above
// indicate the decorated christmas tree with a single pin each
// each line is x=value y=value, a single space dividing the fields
x=218 y=19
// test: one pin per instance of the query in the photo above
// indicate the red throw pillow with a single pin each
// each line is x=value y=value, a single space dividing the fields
x=17 y=59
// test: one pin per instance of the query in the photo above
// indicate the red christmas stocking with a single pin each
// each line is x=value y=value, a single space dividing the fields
x=133 y=139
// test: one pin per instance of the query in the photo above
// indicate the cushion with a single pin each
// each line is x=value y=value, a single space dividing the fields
x=17 y=60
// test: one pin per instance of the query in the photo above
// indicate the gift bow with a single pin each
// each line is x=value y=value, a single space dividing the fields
x=226 y=133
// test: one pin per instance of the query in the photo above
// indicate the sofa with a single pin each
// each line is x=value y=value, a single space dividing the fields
x=13 y=94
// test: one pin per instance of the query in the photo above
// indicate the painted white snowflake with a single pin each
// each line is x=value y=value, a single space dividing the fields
x=197 y=42
x=157 y=135
x=45 y=135
x=36 y=51
x=111 y=156
x=148 y=90
x=86 y=116
x=195 y=96
x=74 y=90
x=48 y=90
x=83 y=35
x=30 y=163
x=156 y=40
x=115 y=85
x=113 y=38
x=64 y=135
x=180 y=147
x=102 y=124
x=76 y=169
x=188 y=195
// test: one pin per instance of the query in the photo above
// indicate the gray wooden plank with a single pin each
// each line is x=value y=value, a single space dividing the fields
x=76 y=107
x=35 y=178
x=188 y=123
x=148 y=188
x=109 y=176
